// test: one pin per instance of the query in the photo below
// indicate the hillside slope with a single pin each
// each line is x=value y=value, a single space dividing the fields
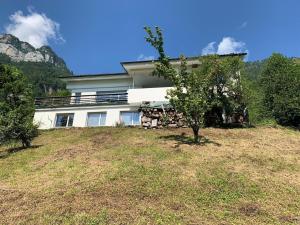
x=135 y=176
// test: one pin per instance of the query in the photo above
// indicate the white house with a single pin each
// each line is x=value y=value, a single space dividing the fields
x=106 y=99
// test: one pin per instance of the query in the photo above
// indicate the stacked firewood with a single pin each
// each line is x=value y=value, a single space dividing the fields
x=159 y=118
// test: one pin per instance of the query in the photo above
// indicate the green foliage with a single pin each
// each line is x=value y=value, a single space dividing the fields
x=225 y=90
x=16 y=107
x=4 y=59
x=258 y=114
x=44 y=77
x=281 y=89
x=62 y=93
x=254 y=69
x=215 y=86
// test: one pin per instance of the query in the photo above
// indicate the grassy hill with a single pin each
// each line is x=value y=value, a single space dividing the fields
x=135 y=176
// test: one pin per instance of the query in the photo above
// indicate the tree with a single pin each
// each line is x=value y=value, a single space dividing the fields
x=226 y=94
x=215 y=85
x=281 y=85
x=190 y=92
x=251 y=82
x=16 y=107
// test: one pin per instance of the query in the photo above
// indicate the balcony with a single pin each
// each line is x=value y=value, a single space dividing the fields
x=105 y=98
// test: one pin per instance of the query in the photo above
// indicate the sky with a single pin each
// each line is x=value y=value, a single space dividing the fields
x=94 y=36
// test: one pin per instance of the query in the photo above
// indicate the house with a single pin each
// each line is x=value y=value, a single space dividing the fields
x=107 y=99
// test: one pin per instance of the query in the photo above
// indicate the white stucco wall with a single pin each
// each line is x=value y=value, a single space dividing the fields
x=46 y=117
x=140 y=95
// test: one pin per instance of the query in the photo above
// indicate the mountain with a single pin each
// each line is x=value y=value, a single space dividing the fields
x=41 y=65
x=20 y=51
x=254 y=69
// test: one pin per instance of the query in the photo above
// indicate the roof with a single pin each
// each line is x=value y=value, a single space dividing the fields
x=138 y=62
x=188 y=58
x=94 y=75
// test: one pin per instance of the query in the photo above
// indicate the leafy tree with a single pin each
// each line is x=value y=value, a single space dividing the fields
x=281 y=85
x=190 y=92
x=225 y=94
x=251 y=83
x=258 y=113
x=214 y=86
x=16 y=107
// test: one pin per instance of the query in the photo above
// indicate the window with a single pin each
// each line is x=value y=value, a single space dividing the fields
x=64 y=120
x=130 y=118
x=96 y=119
x=77 y=97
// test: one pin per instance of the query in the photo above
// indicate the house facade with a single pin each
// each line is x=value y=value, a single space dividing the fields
x=106 y=99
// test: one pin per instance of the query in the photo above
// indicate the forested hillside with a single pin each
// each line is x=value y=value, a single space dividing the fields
x=43 y=76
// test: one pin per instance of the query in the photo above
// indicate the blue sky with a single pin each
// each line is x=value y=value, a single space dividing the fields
x=93 y=36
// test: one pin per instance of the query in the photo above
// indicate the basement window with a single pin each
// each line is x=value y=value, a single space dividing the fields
x=96 y=119
x=130 y=118
x=64 y=120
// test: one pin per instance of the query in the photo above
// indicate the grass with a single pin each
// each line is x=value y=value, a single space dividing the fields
x=136 y=176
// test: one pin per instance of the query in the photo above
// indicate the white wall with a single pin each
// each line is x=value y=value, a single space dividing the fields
x=46 y=117
x=147 y=94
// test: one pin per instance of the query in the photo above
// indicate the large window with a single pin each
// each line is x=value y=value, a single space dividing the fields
x=130 y=118
x=96 y=119
x=64 y=120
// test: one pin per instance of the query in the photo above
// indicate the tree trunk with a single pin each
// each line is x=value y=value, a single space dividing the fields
x=26 y=143
x=196 y=134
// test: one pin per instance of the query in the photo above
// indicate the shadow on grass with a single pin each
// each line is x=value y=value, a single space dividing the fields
x=184 y=139
x=6 y=153
x=234 y=126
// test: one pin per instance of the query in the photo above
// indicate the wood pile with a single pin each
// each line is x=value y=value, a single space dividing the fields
x=157 y=118
x=157 y=115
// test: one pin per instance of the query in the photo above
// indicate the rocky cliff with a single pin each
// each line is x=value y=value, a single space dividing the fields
x=19 y=51
x=41 y=66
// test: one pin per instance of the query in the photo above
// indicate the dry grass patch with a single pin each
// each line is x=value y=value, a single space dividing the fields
x=136 y=176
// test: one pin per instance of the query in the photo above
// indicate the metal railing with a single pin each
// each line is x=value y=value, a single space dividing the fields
x=98 y=99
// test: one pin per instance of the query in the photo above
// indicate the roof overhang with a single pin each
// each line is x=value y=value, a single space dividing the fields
x=150 y=64
x=136 y=66
x=95 y=77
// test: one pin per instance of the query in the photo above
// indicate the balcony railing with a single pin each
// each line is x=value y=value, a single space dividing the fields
x=107 y=98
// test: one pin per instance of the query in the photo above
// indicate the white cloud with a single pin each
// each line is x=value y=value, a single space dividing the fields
x=209 y=49
x=34 y=28
x=226 y=46
x=230 y=45
x=243 y=25
x=143 y=57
